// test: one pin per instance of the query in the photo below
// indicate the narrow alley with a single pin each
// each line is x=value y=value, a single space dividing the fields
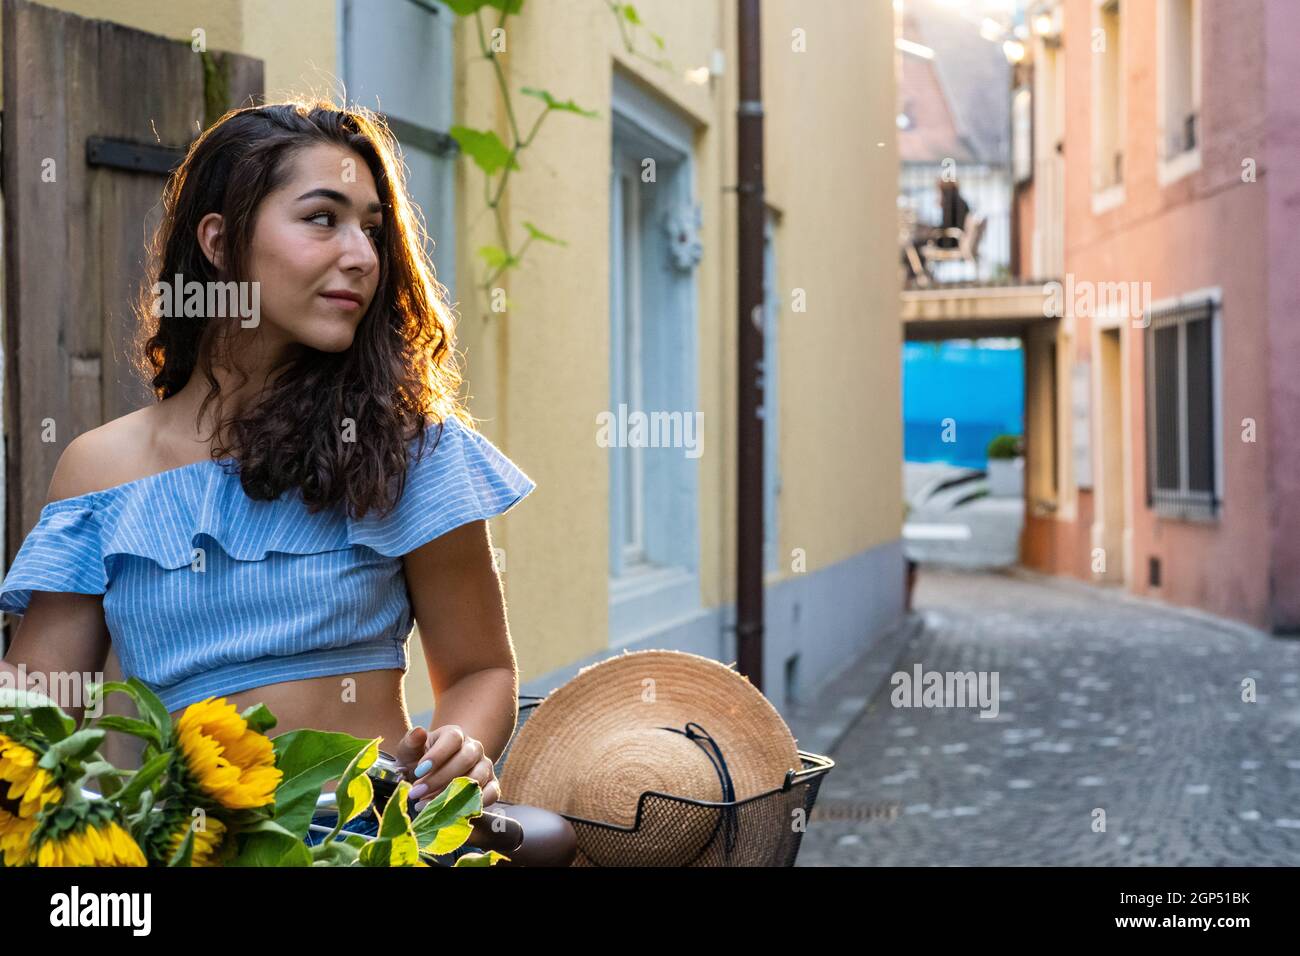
x=1110 y=711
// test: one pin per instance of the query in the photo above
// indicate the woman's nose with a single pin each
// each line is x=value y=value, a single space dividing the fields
x=359 y=251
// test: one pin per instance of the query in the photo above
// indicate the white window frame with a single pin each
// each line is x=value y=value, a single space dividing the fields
x=625 y=205
x=1049 y=111
x=1196 y=513
x=1111 y=196
x=663 y=590
x=1170 y=169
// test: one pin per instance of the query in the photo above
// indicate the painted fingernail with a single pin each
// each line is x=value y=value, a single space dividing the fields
x=419 y=790
x=424 y=768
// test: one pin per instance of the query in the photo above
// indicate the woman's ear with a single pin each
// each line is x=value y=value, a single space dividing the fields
x=209 y=236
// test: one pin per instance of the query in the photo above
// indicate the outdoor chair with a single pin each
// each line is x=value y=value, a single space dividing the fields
x=967 y=248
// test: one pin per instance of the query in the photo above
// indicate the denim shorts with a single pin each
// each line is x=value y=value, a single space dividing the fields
x=367 y=824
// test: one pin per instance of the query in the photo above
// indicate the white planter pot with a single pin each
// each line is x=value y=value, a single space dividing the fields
x=1007 y=477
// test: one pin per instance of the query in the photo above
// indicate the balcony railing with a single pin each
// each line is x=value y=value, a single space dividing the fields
x=986 y=188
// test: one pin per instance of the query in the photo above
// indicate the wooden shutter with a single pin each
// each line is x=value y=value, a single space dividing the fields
x=94 y=115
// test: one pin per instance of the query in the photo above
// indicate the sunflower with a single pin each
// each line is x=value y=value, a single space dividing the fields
x=206 y=841
x=25 y=789
x=99 y=841
x=233 y=765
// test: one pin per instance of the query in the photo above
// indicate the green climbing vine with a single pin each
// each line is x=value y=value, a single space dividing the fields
x=497 y=159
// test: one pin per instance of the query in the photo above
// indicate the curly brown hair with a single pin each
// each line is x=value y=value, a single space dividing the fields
x=399 y=375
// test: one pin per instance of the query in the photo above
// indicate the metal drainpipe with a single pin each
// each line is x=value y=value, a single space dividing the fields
x=749 y=458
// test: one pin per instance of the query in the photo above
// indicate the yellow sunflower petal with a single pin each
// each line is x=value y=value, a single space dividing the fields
x=231 y=763
x=126 y=851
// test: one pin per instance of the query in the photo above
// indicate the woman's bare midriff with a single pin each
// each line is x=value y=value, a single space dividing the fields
x=367 y=704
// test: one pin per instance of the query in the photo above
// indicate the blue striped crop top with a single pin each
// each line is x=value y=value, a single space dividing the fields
x=208 y=592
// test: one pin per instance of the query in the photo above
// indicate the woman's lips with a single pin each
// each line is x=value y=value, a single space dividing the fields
x=342 y=301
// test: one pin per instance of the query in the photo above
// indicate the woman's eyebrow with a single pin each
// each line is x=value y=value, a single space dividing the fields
x=337 y=197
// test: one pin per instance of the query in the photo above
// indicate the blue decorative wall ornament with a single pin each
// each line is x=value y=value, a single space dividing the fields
x=682 y=227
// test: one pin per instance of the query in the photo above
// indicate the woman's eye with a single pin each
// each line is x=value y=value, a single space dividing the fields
x=374 y=232
x=313 y=218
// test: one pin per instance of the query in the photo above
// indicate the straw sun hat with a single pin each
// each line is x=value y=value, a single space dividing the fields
x=664 y=721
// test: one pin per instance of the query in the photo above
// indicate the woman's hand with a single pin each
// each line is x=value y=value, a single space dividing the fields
x=433 y=758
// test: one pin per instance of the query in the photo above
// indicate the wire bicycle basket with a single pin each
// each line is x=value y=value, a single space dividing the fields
x=761 y=830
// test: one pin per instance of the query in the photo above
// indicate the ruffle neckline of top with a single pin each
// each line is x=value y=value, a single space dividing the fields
x=164 y=516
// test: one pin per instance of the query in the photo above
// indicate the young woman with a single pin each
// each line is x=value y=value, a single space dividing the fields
x=306 y=486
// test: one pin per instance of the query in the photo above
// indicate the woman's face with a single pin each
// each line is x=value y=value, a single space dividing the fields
x=315 y=251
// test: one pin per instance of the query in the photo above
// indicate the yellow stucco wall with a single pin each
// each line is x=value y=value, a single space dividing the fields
x=295 y=38
x=538 y=375
x=542 y=372
x=221 y=20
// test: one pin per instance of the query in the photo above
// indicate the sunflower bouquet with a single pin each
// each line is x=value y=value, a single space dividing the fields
x=212 y=790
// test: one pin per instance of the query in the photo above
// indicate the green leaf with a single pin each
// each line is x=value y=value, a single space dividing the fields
x=143 y=778
x=395 y=820
x=464 y=8
x=184 y=853
x=405 y=850
x=266 y=843
x=53 y=724
x=295 y=814
x=78 y=746
x=495 y=256
x=485 y=148
x=658 y=40
x=336 y=852
x=400 y=850
x=490 y=858
x=552 y=103
x=308 y=758
x=129 y=725
x=376 y=852
x=294 y=854
x=395 y=844
x=355 y=792
x=629 y=13
x=38 y=709
x=149 y=705
x=259 y=718
x=538 y=234
x=109 y=777
x=443 y=825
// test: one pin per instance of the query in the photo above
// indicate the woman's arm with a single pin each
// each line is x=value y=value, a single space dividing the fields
x=459 y=607
x=63 y=636
x=61 y=642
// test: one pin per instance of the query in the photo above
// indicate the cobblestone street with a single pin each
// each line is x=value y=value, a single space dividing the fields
x=1105 y=704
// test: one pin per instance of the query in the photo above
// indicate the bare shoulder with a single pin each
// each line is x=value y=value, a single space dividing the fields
x=102 y=457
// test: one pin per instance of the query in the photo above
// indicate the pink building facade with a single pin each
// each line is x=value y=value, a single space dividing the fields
x=1163 y=389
